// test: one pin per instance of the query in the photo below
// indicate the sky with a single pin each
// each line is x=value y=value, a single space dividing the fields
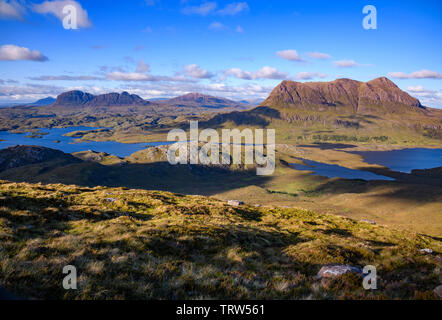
x=234 y=49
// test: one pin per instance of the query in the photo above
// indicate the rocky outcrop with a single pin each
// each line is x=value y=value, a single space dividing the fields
x=20 y=156
x=73 y=98
x=116 y=99
x=79 y=98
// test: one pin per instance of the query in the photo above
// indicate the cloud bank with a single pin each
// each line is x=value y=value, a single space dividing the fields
x=10 y=52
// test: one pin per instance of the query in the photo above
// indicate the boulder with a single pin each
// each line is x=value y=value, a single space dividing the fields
x=235 y=203
x=438 y=291
x=368 y=221
x=332 y=271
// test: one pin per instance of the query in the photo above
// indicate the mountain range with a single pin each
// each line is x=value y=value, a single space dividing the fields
x=192 y=100
x=378 y=96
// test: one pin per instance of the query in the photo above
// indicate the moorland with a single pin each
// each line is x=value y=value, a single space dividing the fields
x=92 y=209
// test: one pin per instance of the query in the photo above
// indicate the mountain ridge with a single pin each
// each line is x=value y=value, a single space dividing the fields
x=80 y=98
x=353 y=95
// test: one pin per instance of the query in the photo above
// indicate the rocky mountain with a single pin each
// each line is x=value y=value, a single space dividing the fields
x=340 y=110
x=378 y=95
x=20 y=156
x=79 y=98
x=203 y=101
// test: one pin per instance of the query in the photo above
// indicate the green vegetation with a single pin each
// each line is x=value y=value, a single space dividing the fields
x=134 y=244
x=340 y=138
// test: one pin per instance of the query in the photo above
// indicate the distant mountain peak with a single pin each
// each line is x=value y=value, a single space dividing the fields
x=341 y=93
x=194 y=99
x=80 y=98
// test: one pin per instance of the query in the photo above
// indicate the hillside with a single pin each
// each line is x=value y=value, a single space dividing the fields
x=20 y=156
x=411 y=202
x=135 y=244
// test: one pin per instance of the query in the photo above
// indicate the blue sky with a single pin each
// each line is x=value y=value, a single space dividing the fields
x=236 y=49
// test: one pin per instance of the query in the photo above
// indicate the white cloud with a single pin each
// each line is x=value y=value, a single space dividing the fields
x=422 y=74
x=239 y=29
x=427 y=97
x=264 y=73
x=166 y=89
x=417 y=89
x=270 y=73
x=11 y=10
x=196 y=71
x=64 y=78
x=309 y=75
x=10 y=52
x=291 y=55
x=234 y=8
x=143 y=77
x=217 y=26
x=345 y=63
x=208 y=8
x=238 y=73
x=319 y=55
x=28 y=92
x=56 y=8
x=203 y=9
x=128 y=76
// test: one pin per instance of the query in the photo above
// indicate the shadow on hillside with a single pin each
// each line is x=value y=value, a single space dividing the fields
x=152 y=263
x=254 y=117
x=406 y=178
x=186 y=179
x=51 y=210
x=413 y=192
x=169 y=260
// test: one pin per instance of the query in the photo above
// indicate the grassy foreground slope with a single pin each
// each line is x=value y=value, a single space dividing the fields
x=135 y=244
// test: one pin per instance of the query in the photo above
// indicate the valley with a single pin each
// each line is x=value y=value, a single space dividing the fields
x=113 y=154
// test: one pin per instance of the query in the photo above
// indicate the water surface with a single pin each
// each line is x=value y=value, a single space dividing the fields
x=404 y=160
x=335 y=171
x=54 y=138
